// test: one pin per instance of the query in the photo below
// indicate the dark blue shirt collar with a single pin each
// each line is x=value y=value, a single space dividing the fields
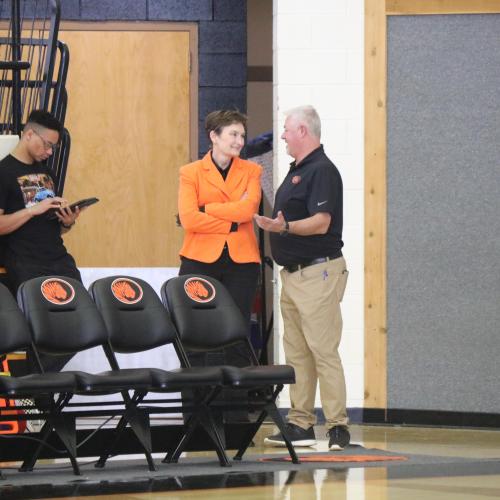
x=310 y=157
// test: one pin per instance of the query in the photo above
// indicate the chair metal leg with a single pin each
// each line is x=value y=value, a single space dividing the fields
x=271 y=410
x=269 y=397
x=245 y=443
x=139 y=423
x=29 y=463
x=204 y=417
x=122 y=424
x=64 y=427
x=138 y=418
x=211 y=429
x=274 y=413
x=172 y=456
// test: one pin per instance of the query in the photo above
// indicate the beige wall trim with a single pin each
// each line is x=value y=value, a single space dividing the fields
x=192 y=28
x=422 y=7
x=376 y=13
x=125 y=26
x=375 y=205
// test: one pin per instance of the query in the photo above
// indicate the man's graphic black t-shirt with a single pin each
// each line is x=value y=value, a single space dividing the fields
x=22 y=186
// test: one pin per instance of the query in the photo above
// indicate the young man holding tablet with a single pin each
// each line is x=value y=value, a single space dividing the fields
x=34 y=246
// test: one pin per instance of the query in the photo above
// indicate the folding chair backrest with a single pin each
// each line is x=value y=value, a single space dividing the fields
x=205 y=315
x=14 y=331
x=134 y=315
x=62 y=316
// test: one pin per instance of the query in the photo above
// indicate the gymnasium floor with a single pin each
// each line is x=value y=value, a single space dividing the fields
x=477 y=481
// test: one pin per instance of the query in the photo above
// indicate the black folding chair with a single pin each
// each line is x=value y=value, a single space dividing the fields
x=207 y=319
x=56 y=388
x=65 y=320
x=137 y=321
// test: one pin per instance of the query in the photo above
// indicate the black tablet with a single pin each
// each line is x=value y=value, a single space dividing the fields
x=80 y=204
x=83 y=203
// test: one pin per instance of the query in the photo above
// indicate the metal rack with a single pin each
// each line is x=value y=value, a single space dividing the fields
x=33 y=70
x=30 y=54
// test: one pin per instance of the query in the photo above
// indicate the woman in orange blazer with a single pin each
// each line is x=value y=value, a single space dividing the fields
x=218 y=196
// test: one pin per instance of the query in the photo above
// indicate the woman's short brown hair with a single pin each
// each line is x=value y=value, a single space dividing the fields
x=217 y=120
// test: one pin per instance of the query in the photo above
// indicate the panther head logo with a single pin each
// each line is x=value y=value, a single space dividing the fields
x=57 y=291
x=199 y=290
x=126 y=290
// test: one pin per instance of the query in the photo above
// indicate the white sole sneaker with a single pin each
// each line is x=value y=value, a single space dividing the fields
x=302 y=442
x=336 y=447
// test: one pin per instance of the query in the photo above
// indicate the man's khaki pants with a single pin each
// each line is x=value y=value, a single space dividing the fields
x=310 y=306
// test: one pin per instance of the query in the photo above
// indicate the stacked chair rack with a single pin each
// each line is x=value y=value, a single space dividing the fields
x=33 y=71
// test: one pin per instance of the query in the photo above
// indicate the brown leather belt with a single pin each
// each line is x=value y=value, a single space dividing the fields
x=297 y=267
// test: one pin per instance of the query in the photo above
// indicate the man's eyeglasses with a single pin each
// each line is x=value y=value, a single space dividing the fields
x=47 y=144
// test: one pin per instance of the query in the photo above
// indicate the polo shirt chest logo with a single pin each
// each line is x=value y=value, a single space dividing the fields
x=296 y=179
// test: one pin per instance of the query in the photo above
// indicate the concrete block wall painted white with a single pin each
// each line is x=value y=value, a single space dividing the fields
x=318 y=50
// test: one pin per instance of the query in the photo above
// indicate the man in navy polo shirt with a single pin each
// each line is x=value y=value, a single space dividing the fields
x=306 y=239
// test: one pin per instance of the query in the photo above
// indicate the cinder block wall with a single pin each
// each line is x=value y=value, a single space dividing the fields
x=318 y=60
x=221 y=42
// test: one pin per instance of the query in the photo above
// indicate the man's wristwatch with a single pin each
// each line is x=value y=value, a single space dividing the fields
x=67 y=227
x=285 y=230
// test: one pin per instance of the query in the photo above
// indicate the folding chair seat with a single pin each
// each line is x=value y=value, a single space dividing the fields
x=57 y=388
x=137 y=321
x=206 y=318
x=64 y=320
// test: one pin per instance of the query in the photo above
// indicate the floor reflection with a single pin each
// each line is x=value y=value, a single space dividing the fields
x=464 y=472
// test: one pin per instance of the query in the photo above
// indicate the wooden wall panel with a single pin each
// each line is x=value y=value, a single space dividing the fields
x=422 y=7
x=129 y=119
x=376 y=13
x=375 y=206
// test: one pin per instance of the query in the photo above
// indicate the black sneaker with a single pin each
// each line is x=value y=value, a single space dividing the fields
x=339 y=437
x=297 y=435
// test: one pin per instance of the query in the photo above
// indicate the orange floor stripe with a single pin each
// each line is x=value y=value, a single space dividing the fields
x=337 y=458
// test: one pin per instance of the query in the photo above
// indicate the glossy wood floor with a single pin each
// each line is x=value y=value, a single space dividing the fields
x=374 y=483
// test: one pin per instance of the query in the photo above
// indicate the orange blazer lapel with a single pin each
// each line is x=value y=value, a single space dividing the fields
x=236 y=176
x=212 y=175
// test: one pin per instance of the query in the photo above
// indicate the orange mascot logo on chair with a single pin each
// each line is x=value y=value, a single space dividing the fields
x=199 y=290
x=126 y=290
x=57 y=291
